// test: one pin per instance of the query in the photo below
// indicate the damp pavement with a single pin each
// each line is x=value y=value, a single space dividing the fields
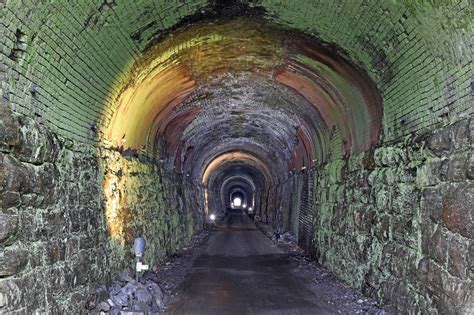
x=241 y=271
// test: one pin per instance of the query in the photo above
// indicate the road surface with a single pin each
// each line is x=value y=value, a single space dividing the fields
x=242 y=272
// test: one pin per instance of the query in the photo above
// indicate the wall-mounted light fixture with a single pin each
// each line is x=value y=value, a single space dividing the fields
x=139 y=247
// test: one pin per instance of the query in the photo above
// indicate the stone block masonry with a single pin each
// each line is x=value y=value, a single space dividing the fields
x=50 y=213
x=55 y=238
x=397 y=221
x=140 y=201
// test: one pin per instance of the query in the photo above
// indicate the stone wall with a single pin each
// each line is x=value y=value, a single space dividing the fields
x=398 y=221
x=141 y=201
x=56 y=241
x=52 y=238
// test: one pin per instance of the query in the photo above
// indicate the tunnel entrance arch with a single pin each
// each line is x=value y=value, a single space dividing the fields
x=117 y=142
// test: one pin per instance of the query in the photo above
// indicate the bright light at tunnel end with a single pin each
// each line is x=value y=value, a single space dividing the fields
x=237 y=202
x=212 y=217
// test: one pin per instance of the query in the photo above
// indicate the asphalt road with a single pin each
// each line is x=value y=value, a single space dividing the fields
x=242 y=272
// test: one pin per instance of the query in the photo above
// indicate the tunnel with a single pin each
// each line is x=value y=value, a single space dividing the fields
x=348 y=124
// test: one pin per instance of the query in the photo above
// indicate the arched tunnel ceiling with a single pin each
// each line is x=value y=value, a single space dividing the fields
x=236 y=158
x=230 y=83
x=240 y=184
x=260 y=114
x=401 y=44
x=155 y=76
x=235 y=174
x=233 y=169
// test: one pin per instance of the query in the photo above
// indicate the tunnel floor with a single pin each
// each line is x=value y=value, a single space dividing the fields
x=241 y=271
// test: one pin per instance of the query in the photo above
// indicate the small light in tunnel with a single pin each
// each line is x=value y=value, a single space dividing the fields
x=250 y=209
x=212 y=217
x=244 y=206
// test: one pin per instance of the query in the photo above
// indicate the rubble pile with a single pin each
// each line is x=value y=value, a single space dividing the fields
x=126 y=294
